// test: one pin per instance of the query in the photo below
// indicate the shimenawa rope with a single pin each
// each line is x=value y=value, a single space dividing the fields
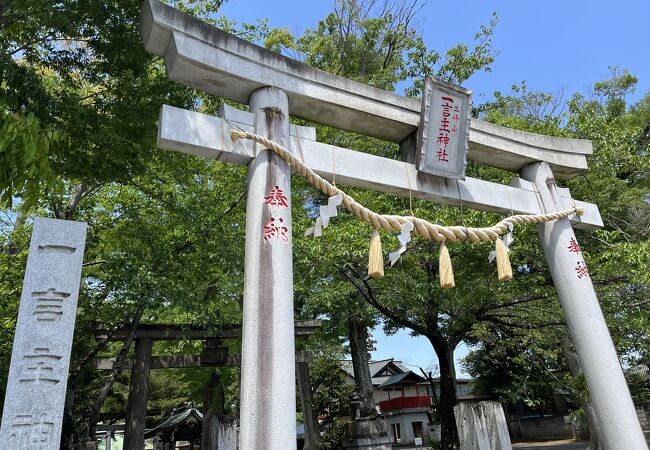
x=424 y=228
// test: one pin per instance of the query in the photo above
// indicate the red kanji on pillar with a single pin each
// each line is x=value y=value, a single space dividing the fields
x=276 y=198
x=573 y=246
x=581 y=270
x=269 y=230
x=276 y=230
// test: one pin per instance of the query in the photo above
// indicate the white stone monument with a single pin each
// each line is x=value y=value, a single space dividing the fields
x=482 y=426
x=209 y=59
x=38 y=375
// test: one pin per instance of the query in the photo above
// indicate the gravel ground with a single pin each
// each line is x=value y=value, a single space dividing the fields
x=567 y=444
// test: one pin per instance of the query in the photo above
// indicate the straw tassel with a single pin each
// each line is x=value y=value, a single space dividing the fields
x=504 y=269
x=375 y=258
x=444 y=266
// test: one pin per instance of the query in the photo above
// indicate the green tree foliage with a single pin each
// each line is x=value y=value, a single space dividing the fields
x=377 y=43
x=13 y=258
x=24 y=158
x=79 y=98
x=332 y=396
x=78 y=71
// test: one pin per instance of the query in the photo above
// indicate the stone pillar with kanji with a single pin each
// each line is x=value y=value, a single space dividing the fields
x=38 y=374
x=268 y=397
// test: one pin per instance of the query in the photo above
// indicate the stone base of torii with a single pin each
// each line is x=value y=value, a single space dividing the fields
x=367 y=434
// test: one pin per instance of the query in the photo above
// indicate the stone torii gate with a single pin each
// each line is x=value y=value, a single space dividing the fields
x=213 y=355
x=204 y=57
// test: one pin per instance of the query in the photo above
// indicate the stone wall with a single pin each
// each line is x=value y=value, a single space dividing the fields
x=533 y=428
x=643 y=411
x=554 y=427
x=405 y=420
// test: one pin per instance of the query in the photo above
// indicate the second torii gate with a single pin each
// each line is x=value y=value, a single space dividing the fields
x=216 y=62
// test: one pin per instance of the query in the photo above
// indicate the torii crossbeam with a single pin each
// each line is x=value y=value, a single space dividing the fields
x=208 y=136
x=204 y=57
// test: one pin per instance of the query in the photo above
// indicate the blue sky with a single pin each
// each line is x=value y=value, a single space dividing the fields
x=550 y=44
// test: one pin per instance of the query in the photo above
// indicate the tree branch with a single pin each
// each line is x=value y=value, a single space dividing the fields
x=517 y=301
x=95 y=410
x=367 y=293
x=429 y=377
x=188 y=245
x=94 y=263
x=72 y=378
x=495 y=320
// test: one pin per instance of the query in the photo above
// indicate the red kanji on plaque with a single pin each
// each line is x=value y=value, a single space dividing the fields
x=581 y=270
x=443 y=139
x=444 y=125
x=276 y=198
x=573 y=246
x=443 y=136
x=275 y=230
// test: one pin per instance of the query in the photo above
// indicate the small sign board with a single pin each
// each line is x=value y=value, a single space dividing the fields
x=214 y=356
x=418 y=441
x=443 y=136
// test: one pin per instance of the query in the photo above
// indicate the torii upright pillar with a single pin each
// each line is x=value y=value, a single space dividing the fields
x=607 y=386
x=268 y=397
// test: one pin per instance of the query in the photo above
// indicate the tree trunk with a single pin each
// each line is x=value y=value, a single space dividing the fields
x=310 y=419
x=67 y=427
x=358 y=335
x=434 y=396
x=213 y=407
x=68 y=436
x=136 y=406
x=71 y=207
x=12 y=247
x=95 y=411
x=590 y=413
x=445 y=352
